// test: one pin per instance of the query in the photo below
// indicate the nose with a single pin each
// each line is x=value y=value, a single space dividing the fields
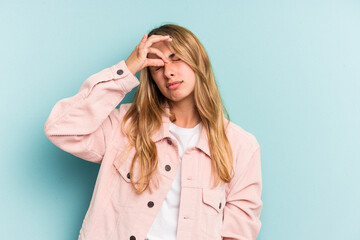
x=169 y=70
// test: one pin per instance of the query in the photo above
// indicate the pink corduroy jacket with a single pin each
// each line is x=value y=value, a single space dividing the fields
x=88 y=125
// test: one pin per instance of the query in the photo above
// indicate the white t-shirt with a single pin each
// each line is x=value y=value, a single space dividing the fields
x=165 y=224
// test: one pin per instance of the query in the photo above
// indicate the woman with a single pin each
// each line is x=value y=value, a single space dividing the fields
x=172 y=166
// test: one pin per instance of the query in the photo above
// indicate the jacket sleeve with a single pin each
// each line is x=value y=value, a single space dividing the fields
x=243 y=205
x=84 y=123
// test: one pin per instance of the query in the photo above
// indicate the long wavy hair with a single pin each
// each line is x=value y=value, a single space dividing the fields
x=146 y=111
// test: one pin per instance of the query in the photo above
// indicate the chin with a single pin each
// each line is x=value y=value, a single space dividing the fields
x=178 y=99
x=177 y=96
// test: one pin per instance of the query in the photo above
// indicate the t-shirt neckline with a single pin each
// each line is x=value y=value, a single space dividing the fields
x=185 y=130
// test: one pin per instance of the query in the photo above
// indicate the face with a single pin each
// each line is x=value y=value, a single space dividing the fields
x=176 y=79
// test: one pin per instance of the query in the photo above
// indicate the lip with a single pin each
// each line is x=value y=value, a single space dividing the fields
x=173 y=83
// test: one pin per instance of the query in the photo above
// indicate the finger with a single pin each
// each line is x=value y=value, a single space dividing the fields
x=158 y=53
x=148 y=41
x=154 y=62
x=153 y=40
x=143 y=40
x=157 y=38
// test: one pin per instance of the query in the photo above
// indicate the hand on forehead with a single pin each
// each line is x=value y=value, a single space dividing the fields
x=163 y=47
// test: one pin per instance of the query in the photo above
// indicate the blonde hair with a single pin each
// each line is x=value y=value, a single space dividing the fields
x=148 y=104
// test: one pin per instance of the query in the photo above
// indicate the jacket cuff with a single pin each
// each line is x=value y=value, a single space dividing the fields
x=119 y=71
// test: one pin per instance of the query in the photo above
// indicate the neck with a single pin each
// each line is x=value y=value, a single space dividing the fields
x=186 y=114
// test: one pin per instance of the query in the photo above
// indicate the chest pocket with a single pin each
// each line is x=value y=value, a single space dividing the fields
x=122 y=163
x=124 y=171
x=213 y=200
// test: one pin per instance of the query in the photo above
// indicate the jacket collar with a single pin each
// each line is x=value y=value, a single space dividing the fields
x=164 y=132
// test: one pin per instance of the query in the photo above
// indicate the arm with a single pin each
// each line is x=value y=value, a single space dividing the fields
x=83 y=123
x=243 y=207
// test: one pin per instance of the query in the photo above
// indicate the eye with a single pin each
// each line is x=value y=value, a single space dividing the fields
x=158 y=68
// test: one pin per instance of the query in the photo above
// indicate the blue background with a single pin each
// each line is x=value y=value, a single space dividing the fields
x=288 y=72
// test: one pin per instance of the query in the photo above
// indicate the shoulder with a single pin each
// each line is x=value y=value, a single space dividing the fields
x=243 y=145
x=245 y=148
x=239 y=137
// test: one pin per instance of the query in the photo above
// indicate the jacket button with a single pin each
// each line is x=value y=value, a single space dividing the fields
x=150 y=204
x=220 y=206
x=132 y=238
x=120 y=72
x=167 y=168
x=169 y=141
x=128 y=175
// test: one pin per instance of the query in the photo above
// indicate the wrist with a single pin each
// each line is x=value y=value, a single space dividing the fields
x=130 y=67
